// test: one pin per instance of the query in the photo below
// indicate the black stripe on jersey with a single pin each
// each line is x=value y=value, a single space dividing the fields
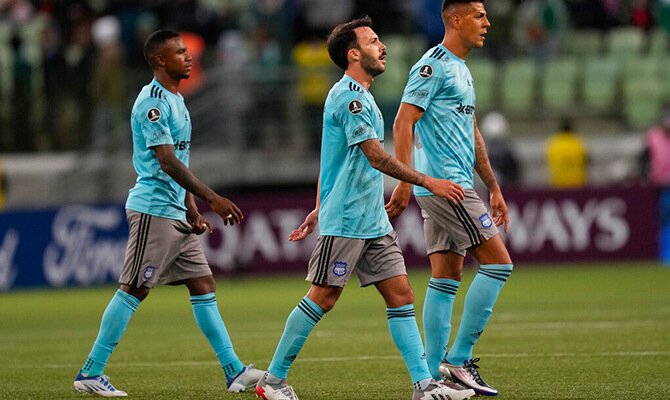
x=156 y=92
x=467 y=223
x=140 y=246
x=437 y=54
x=355 y=88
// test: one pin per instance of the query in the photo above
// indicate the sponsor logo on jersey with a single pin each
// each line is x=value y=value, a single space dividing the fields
x=465 y=109
x=148 y=271
x=182 y=145
x=153 y=115
x=340 y=268
x=355 y=107
x=486 y=220
x=426 y=71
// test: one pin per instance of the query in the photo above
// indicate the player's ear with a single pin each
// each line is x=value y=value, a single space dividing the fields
x=354 y=54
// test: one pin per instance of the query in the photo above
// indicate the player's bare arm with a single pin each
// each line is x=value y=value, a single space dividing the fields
x=384 y=162
x=171 y=165
x=198 y=222
x=310 y=222
x=485 y=172
x=403 y=128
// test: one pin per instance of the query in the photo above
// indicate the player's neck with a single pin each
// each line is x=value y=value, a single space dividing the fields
x=360 y=76
x=167 y=82
x=455 y=46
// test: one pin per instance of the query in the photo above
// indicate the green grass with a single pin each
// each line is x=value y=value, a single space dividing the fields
x=557 y=332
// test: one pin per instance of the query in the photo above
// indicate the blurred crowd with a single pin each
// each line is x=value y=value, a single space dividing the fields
x=69 y=69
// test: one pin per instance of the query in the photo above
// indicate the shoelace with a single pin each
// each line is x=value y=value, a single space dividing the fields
x=471 y=367
x=104 y=379
x=288 y=391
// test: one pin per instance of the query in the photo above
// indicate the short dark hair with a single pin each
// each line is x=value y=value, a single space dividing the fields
x=343 y=38
x=447 y=3
x=155 y=41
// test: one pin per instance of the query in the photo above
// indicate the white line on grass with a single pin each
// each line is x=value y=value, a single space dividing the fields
x=358 y=358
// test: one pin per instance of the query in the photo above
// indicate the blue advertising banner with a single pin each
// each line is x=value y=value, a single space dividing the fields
x=72 y=245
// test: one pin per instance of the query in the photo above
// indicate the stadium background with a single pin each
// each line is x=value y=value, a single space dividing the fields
x=585 y=316
x=71 y=69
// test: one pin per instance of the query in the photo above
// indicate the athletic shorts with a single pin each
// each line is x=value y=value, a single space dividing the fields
x=455 y=227
x=335 y=258
x=161 y=250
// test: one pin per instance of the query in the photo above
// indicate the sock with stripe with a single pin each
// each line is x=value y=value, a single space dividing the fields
x=299 y=325
x=479 y=302
x=208 y=318
x=114 y=322
x=406 y=336
x=437 y=309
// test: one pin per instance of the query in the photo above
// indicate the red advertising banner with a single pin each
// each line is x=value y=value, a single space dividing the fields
x=545 y=226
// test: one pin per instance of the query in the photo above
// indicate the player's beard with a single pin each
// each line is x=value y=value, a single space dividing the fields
x=372 y=66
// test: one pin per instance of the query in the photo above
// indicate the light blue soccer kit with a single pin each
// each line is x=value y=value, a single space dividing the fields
x=351 y=211
x=159 y=117
x=441 y=85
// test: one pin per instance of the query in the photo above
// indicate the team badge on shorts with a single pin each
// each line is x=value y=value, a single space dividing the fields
x=426 y=71
x=148 y=271
x=486 y=220
x=340 y=268
x=355 y=107
x=153 y=115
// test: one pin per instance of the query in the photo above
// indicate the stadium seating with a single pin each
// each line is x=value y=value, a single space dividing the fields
x=559 y=84
x=642 y=91
x=583 y=42
x=600 y=83
x=518 y=81
x=483 y=72
x=626 y=42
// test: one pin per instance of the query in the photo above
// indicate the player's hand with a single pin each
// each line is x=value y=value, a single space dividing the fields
x=445 y=188
x=399 y=200
x=306 y=227
x=199 y=224
x=227 y=210
x=499 y=209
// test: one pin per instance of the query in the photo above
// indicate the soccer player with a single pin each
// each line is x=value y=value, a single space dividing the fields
x=355 y=232
x=437 y=115
x=163 y=220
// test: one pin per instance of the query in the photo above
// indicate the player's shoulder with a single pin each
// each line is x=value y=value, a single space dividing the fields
x=152 y=101
x=351 y=96
x=434 y=63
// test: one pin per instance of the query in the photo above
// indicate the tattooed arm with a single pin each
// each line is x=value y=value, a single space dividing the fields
x=384 y=162
x=485 y=172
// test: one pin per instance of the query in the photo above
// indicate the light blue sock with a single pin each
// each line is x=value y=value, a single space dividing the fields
x=114 y=322
x=437 y=310
x=211 y=324
x=479 y=301
x=299 y=325
x=406 y=336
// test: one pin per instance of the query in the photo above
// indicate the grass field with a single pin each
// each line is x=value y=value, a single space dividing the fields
x=557 y=332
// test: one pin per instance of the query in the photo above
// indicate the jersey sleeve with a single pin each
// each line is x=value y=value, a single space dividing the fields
x=153 y=119
x=426 y=79
x=355 y=112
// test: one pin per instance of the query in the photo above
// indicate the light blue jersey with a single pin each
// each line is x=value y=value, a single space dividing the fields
x=440 y=84
x=352 y=192
x=158 y=117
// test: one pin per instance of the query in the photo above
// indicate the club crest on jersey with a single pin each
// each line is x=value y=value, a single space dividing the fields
x=340 y=268
x=486 y=220
x=148 y=271
x=153 y=115
x=355 y=107
x=426 y=71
